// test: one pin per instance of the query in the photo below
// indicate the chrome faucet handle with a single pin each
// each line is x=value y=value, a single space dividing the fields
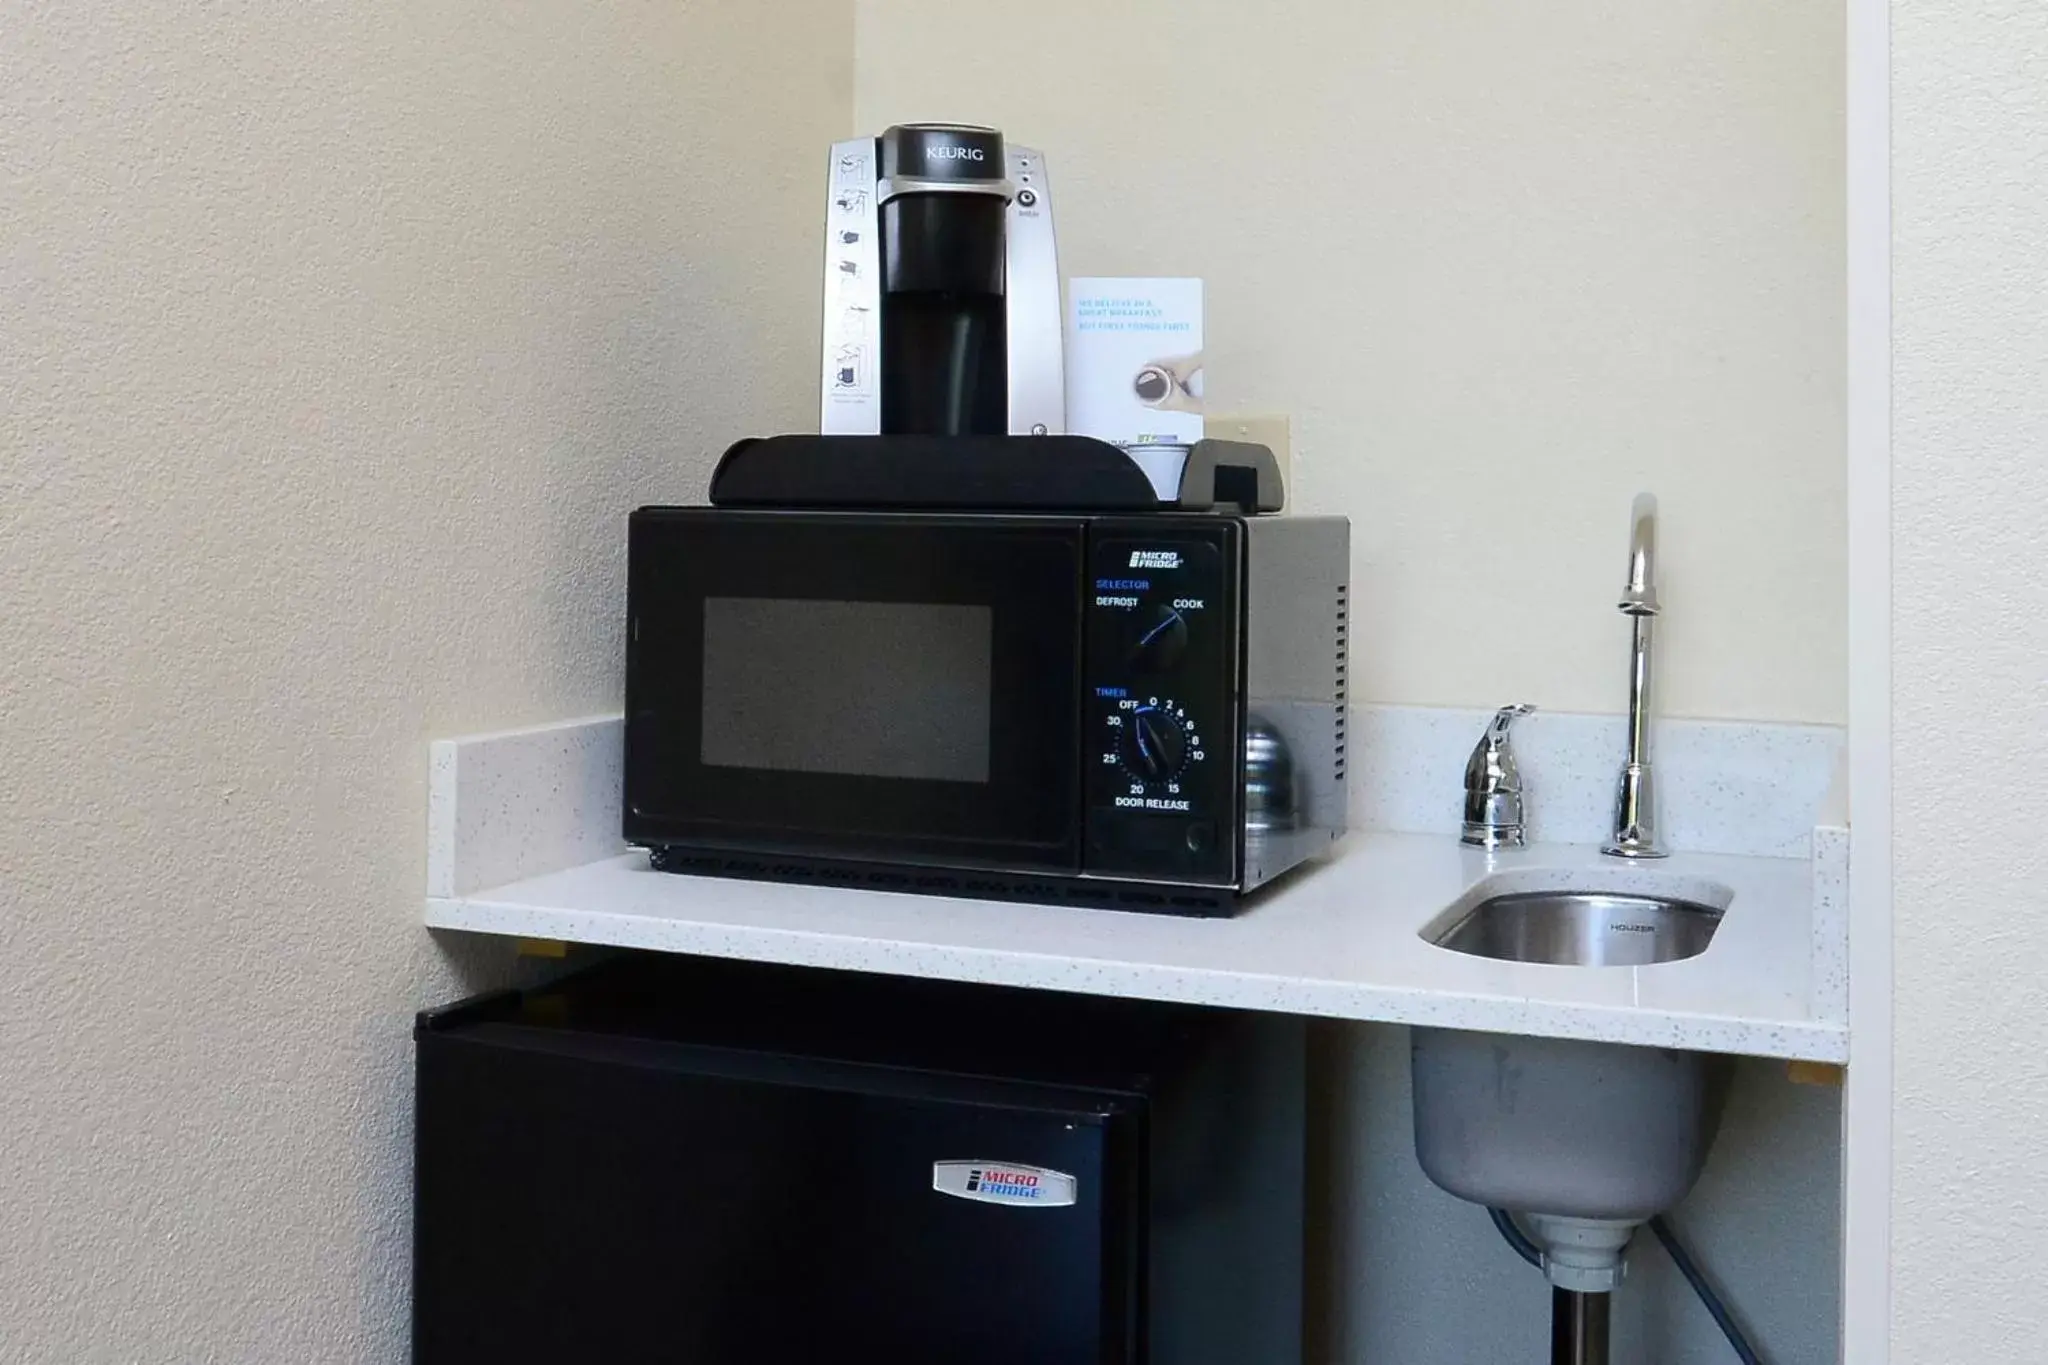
x=1493 y=785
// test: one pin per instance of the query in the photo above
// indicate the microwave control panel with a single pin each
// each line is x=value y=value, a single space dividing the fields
x=1160 y=741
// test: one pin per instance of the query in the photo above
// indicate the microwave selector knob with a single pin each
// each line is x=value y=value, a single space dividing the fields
x=1158 y=744
x=1160 y=642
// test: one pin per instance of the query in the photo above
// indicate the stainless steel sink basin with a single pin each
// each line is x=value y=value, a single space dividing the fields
x=1565 y=1128
x=1582 y=929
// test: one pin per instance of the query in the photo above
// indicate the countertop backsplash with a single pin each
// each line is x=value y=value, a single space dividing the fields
x=1739 y=787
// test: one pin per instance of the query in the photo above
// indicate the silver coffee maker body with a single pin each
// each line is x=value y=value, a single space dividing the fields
x=942 y=287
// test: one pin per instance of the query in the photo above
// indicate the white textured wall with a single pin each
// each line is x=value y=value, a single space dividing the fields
x=1505 y=264
x=335 y=342
x=1970 y=680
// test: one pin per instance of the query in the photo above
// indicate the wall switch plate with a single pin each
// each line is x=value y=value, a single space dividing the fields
x=1271 y=432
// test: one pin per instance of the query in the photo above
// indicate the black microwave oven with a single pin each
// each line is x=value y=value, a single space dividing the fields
x=1138 y=711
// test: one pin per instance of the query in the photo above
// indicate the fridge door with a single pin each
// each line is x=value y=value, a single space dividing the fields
x=598 y=1200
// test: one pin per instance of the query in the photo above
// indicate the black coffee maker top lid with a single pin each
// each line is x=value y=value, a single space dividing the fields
x=988 y=474
x=956 y=152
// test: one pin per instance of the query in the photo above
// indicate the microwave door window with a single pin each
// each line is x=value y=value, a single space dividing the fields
x=863 y=689
x=867 y=686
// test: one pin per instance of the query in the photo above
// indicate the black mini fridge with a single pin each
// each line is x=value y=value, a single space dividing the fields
x=693 y=1162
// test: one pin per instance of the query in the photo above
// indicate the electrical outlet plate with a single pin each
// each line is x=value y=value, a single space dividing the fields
x=1271 y=432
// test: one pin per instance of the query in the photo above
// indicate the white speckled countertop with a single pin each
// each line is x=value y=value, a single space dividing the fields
x=523 y=839
x=1339 y=939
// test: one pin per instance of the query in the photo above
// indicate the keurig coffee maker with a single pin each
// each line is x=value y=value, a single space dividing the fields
x=942 y=288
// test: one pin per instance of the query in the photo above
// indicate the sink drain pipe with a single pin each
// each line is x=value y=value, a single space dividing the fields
x=1583 y=1258
x=1579 y=1318
x=1578 y=1327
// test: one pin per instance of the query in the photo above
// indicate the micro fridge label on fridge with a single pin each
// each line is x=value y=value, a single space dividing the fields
x=995 y=1182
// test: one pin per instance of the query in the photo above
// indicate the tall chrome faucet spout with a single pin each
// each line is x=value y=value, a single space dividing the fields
x=1639 y=594
x=1635 y=804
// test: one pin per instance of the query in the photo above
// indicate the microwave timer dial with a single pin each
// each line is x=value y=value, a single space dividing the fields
x=1156 y=740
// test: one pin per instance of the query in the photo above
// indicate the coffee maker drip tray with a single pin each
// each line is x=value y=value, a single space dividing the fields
x=988 y=474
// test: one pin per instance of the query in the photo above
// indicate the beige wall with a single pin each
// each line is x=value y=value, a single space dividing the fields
x=1970 y=680
x=1505 y=264
x=335 y=341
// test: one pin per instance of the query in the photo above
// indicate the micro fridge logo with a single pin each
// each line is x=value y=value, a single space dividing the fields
x=989 y=1182
x=1155 y=559
x=1009 y=1184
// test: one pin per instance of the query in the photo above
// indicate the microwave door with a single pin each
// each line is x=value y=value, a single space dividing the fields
x=878 y=688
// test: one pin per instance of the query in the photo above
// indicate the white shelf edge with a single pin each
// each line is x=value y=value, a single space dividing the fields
x=522 y=910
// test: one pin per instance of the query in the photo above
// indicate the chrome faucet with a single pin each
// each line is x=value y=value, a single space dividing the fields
x=1635 y=805
x=1493 y=786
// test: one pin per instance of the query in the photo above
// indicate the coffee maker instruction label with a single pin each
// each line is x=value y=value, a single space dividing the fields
x=1134 y=360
